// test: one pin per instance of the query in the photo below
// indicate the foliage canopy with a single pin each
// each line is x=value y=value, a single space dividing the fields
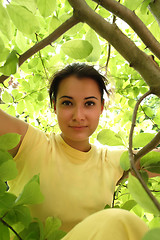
x=121 y=39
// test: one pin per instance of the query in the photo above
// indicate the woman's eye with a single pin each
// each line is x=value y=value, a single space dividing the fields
x=90 y=103
x=66 y=103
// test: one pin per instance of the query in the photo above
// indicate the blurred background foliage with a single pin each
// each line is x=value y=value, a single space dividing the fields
x=24 y=94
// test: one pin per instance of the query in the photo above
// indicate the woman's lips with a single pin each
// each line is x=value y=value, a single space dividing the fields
x=78 y=127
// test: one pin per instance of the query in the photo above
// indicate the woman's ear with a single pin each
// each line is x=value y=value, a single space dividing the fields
x=54 y=106
x=102 y=106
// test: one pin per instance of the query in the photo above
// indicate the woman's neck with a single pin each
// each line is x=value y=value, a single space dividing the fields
x=83 y=146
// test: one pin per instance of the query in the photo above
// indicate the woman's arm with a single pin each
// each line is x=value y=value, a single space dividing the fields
x=9 y=124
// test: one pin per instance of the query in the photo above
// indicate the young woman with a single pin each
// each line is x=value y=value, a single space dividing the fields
x=76 y=178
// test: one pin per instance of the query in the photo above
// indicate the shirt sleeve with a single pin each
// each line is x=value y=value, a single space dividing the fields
x=113 y=156
x=32 y=152
x=32 y=140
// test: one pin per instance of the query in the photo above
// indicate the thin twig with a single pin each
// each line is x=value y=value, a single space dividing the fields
x=6 y=224
x=150 y=118
x=109 y=46
x=40 y=56
x=131 y=155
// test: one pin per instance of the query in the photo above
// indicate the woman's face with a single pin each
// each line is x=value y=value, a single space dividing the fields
x=78 y=108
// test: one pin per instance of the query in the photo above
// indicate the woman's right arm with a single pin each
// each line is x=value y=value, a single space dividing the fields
x=9 y=124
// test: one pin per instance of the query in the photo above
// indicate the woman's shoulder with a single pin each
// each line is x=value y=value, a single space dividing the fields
x=110 y=154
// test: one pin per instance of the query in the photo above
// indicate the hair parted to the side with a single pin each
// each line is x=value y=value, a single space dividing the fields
x=79 y=70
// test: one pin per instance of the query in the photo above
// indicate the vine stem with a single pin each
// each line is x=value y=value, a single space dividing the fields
x=6 y=224
x=131 y=155
x=109 y=45
x=40 y=56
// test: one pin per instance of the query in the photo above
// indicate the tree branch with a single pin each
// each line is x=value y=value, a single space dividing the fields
x=134 y=22
x=46 y=41
x=136 y=58
x=131 y=155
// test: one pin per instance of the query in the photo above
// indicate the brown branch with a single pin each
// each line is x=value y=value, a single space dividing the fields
x=134 y=22
x=140 y=61
x=131 y=155
x=46 y=41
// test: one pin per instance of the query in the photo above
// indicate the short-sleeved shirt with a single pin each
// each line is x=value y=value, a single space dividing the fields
x=75 y=184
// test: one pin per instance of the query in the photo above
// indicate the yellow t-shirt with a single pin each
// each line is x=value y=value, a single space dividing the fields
x=75 y=184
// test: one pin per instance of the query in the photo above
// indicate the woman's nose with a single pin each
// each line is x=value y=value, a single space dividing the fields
x=78 y=114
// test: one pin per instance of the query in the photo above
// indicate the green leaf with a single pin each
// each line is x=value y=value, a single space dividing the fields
x=148 y=111
x=144 y=6
x=41 y=97
x=1 y=44
x=21 y=41
x=131 y=103
x=11 y=110
x=33 y=63
x=29 y=4
x=74 y=30
x=23 y=19
x=151 y=162
x=155 y=222
x=54 y=24
x=124 y=161
x=77 y=49
x=6 y=97
x=16 y=94
x=152 y=234
x=4 y=156
x=21 y=107
x=4 y=232
x=19 y=214
x=51 y=224
x=31 y=193
x=110 y=138
x=8 y=170
x=11 y=64
x=104 y=13
x=91 y=37
x=4 y=54
x=135 y=91
x=46 y=7
x=133 y=5
x=4 y=18
x=6 y=202
x=32 y=232
x=3 y=187
x=140 y=196
x=142 y=139
x=57 y=235
x=129 y=205
x=9 y=141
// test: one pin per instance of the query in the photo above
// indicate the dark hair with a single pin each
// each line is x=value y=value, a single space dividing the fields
x=80 y=70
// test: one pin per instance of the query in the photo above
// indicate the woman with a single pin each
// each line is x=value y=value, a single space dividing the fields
x=76 y=178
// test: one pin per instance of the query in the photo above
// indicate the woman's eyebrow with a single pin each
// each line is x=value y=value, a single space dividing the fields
x=90 y=97
x=66 y=97
x=72 y=97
